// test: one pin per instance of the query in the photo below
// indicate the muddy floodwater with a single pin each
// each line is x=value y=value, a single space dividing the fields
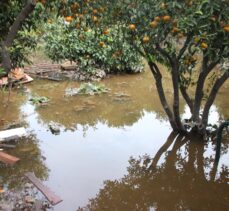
x=115 y=151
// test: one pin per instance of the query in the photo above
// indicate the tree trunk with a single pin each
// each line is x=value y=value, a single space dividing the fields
x=199 y=90
x=157 y=76
x=206 y=69
x=219 y=82
x=6 y=63
x=176 y=98
x=186 y=97
x=9 y=39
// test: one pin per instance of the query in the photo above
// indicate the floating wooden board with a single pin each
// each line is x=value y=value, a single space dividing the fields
x=52 y=197
x=8 y=135
x=8 y=159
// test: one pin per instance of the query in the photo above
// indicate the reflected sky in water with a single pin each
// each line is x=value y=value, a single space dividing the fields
x=95 y=144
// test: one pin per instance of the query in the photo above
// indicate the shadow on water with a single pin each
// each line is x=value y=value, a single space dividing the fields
x=186 y=179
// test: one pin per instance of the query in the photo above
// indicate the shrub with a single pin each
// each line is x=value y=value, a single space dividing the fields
x=91 y=49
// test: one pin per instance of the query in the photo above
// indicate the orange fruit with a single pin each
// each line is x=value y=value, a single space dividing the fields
x=68 y=19
x=204 y=45
x=132 y=27
x=106 y=32
x=153 y=24
x=166 y=18
x=226 y=28
x=101 y=44
x=95 y=11
x=94 y=18
x=146 y=39
x=157 y=18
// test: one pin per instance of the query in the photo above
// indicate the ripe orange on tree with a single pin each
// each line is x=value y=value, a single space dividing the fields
x=146 y=39
x=166 y=18
x=68 y=18
x=226 y=28
x=154 y=24
x=157 y=18
x=106 y=32
x=204 y=45
x=101 y=44
x=132 y=27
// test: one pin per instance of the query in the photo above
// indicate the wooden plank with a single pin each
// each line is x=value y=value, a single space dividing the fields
x=52 y=197
x=8 y=159
x=7 y=135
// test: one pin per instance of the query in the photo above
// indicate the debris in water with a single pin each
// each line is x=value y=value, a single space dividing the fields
x=52 y=197
x=87 y=89
x=12 y=134
x=8 y=159
x=39 y=100
x=54 y=128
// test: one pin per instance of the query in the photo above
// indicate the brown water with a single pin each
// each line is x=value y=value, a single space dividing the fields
x=99 y=135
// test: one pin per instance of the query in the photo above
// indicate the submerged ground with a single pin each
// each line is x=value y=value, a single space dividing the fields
x=98 y=136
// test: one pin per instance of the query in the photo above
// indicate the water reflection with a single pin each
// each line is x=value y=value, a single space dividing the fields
x=129 y=97
x=181 y=176
x=31 y=160
x=10 y=107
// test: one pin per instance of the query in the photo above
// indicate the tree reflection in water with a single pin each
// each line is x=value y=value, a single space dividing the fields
x=186 y=180
x=31 y=160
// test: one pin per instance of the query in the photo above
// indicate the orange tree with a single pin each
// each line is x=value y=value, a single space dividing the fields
x=87 y=35
x=182 y=34
x=189 y=37
x=19 y=21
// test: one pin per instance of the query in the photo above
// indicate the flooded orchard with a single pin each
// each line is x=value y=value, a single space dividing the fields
x=114 y=151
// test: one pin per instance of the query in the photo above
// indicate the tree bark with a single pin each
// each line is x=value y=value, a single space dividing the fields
x=176 y=97
x=206 y=69
x=199 y=90
x=219 y=82
x=6 y=63
x=175 y=79
x=186 y=97
x=157 y=76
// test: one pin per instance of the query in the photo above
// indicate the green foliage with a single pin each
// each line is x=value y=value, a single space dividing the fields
x=91 y=48
x=26 y=42
x=2 y=71
x=87 y=89
x=37 y=100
